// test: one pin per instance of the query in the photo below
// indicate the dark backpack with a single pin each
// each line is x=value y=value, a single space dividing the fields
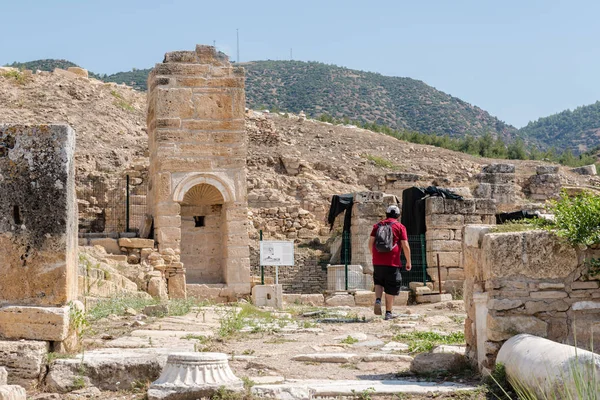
x=384 y=237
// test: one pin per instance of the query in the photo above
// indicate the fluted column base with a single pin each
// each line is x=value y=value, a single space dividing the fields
x=189 y=376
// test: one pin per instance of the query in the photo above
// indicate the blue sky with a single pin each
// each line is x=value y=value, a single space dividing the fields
x=519 y=60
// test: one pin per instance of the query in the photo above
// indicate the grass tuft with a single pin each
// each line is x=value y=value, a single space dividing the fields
x=121 y=102
x=419 y=342
x=380 y=161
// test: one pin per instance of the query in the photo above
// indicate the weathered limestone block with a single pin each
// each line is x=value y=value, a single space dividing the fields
x=433 y=298
x=364 y=298
x=447 y=259
x=534 y=307
x=24 y=361
x=499 y=169
x=434 y=205
x=267 y=296
x=585 y=285
x=502 y=328
x=546 y=169
x=549 y=294
x=340 y=300
x=504 y=304
x=110 y=245
x=496 y=179
x=466 y=206
x=439 y=221
x=327 y=357
x=157 y=288
x=3 y=376
x=551 y=285
x=38 y=215
x=456 y=274
x=35 y=323
x=585 y=170
x=438 y=234
x=426 y=363
x=444 y=245
x=485 y=206
x=136 y=243
x=12 y=392
x=547 y=257
x=176 y=286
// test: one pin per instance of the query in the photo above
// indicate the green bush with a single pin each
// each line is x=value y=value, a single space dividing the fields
x=577 y=219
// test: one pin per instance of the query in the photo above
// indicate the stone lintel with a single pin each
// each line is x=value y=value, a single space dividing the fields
x=34 y=323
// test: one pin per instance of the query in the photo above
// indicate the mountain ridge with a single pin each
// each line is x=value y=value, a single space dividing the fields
x=401 y=103
x=318 y=88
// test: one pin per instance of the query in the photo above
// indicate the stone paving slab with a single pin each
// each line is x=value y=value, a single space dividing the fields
x=312 y=389
x=168 y=334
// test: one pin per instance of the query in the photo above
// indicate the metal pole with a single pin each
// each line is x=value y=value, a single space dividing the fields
x=423 y=259
x=262 y=269
x=346 y=258
x=127 y=210
x=439 y=274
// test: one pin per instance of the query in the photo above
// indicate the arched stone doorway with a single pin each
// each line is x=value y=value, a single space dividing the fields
x=202 y=226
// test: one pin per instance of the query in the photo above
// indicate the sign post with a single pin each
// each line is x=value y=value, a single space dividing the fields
x=276 y=253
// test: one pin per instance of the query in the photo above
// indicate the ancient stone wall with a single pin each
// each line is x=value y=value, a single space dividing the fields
x=307 y=276
x=527 y=282
x=545 y=184
x=497 y=181
x=444 y=220
x=38 y=231
x=198 y=152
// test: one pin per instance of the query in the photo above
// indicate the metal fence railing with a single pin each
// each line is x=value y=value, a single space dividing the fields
x=111 y=205
x=418 y=256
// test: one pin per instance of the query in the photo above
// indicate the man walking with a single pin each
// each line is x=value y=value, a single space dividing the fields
x=386 y=239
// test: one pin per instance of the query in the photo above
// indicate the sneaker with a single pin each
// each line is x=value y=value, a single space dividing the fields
x=389 y=315
x=377 y=308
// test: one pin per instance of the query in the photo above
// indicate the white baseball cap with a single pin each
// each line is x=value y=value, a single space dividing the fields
x=393 y=210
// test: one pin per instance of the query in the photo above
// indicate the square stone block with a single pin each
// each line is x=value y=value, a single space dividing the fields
x=12 y=392
x=24 y=360
x=38 y=215
x=136 y=243
x=267 y=296
x=433 y=298
x=35 y=323
x=216 y=106
x=174 y=103
x=364 y=298
x=110 y=245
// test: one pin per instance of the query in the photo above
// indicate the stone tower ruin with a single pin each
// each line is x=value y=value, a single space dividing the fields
x=198 y=149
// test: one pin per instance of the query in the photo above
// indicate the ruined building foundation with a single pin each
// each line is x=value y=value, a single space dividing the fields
x=38 y=233
x=198 y=194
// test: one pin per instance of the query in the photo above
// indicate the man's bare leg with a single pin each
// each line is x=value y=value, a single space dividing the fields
x=378 y=294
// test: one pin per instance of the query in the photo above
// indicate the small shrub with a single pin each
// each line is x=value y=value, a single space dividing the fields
x=577 y=219
x=78 y=383
x=593 y=266
x=18 y=76
x=349 y=340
